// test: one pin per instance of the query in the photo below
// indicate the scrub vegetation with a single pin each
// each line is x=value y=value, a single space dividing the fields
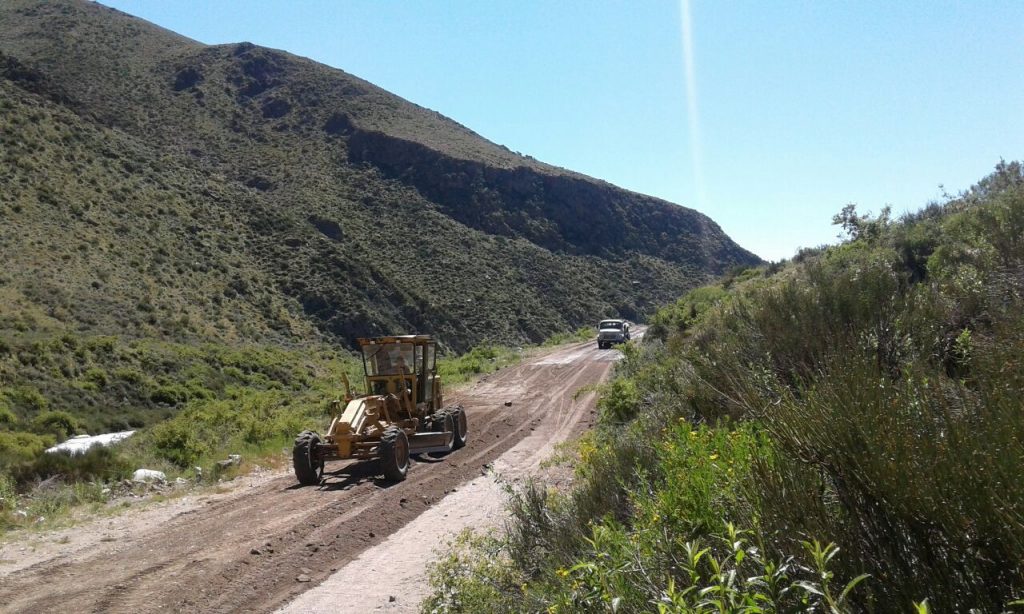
x=840 y=432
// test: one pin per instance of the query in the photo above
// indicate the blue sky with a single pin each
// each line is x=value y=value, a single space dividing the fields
x=791 y=109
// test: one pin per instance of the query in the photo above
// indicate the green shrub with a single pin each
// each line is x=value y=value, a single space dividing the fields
x=7 y=417
x=96 y=376
x=479 y=360
x=893 y=432
x=619 y=401
x=28 y=398
x=205 y=428
x=475 y=575
x=170 y=394
x=8 y=493
x=96 y=464
x=59 y=423
x=687 y=311
x=102 y=345
x=16 y=446
x=705 y=479
x=178 y=442
x=582 y=334
x=129 y=375
x=619 y=571
x=726 y=573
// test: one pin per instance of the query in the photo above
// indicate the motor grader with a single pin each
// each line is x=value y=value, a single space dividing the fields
x=402 y=413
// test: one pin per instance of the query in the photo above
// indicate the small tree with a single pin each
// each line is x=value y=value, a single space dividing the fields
x=861 y=226
x=60 y=423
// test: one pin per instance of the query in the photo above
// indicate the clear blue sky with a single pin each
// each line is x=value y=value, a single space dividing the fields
x=788 y=111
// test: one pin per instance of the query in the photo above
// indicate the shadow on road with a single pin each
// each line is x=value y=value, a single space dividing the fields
x=352 y=475
x=434 y=457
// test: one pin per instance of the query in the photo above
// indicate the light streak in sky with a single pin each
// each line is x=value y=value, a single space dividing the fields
x=691 y=102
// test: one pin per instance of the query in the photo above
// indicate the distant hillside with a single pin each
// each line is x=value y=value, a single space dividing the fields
x=156 y=187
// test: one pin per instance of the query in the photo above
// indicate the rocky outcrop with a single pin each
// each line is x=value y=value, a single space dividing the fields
x=561 y=213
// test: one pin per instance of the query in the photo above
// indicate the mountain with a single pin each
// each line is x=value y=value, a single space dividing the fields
x=153 y=186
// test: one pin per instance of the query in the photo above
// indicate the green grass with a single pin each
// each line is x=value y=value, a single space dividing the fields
x=455 y=370
x=581 y=334
x=67 y=383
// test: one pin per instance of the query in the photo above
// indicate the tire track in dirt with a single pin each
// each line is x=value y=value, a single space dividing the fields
x=243 y=551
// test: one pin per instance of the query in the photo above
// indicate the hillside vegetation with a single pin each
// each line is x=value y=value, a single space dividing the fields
x=167 y=207
x=156 y=186
x=841 y=432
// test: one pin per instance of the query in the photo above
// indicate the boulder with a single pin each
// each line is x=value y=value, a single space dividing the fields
x=148 y=475
x=233 y=460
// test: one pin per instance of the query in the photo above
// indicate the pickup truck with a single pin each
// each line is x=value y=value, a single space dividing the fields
x=610 y=332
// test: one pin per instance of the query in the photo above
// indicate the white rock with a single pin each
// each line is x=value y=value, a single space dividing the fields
x=149 y=475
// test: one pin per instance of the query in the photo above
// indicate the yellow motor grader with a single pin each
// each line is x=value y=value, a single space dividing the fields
x=401 y=413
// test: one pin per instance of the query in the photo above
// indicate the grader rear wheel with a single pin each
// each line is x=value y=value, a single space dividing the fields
x=308 y=467
x=446 y=424
x=394 y=454
x=461 y=427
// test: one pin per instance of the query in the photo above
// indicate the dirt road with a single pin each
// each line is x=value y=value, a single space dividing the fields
x=261 y=545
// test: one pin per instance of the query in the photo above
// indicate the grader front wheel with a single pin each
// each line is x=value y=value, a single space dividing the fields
x=394 y=454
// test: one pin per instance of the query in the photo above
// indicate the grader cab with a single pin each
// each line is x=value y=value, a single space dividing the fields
x=401 y=413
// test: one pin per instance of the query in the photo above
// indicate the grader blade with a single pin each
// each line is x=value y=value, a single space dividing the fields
x=425 y=443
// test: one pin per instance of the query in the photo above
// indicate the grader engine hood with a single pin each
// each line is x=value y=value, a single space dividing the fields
x=358 y=415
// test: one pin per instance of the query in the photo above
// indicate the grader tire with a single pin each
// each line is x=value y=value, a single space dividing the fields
x=308 y=468
x=443 y=422
x=394 y=454
x=446 y=424
x=461 y=427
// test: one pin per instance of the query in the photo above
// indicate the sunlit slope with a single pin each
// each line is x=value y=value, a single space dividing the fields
x=155 y=186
